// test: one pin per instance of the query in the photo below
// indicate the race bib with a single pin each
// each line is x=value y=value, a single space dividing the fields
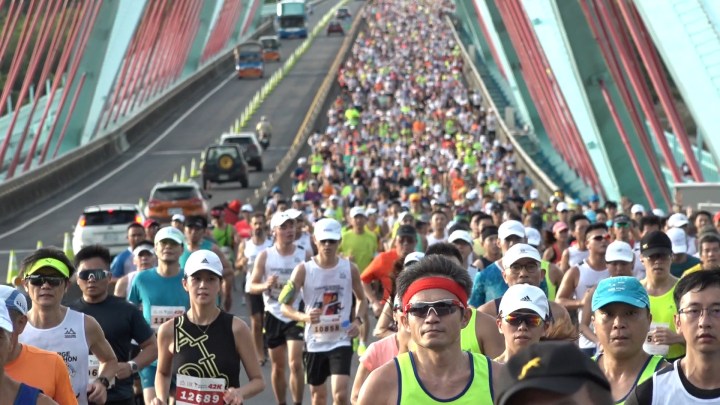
x=193 y=390
x=93 y=368
x=160 y=315
x=277 y=287
x=329 y=329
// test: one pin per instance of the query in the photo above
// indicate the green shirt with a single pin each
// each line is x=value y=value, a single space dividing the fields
x=361 y=248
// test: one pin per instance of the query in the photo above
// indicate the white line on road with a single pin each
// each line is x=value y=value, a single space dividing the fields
x=122 y=167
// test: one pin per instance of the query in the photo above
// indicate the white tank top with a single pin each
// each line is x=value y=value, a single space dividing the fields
x=431 y=239
x=68 y=340
x=251 y=252
x=282 y=266
x=577 y=256
x=304 y=242
x=588 y=278
x=130 y=278
x=668 y=388
x=330 y=290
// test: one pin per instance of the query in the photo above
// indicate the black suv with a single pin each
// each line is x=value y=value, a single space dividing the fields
x=222 y=164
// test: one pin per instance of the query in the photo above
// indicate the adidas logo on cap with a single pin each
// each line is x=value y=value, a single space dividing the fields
x=205 y=260
x=525 y=298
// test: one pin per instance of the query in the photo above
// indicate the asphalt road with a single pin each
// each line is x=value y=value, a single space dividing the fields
x=189 y=129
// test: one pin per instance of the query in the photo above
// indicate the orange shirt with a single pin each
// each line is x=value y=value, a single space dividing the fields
x=44 y=370
x=380 y=268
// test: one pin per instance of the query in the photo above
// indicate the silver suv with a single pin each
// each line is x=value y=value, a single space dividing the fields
x=106 y=224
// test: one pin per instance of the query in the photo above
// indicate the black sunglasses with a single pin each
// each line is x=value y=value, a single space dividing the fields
x=96 y=274
x=39 y=280
x=329 y=242
x=441 y=308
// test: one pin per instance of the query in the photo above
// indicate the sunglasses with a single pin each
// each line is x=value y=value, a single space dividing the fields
x=598 y=238
x=38 y=280
x=531 y=320
x=329 y=242
x=407 y=240
x=622 y=225
x=93 y=274
x=441 y=308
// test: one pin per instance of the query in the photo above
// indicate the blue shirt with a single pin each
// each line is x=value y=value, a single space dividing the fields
x=205 y=244
x=122 y=264
x=153 y=290
x=489 y=285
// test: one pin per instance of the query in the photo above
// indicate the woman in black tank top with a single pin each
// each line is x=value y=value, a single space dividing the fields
x=202 y=349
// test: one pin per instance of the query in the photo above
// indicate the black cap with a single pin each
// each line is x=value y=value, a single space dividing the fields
x=655 y=242
x=621 y=219
x=488 y=231
x=407 y=230
x=558 y=367
x=196 y=221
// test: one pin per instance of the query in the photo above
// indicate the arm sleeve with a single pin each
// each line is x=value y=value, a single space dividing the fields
x=64 y=393
x=642 y=394
x=477 y=295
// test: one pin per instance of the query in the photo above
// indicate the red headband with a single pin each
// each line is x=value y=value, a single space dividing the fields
x=429 y=283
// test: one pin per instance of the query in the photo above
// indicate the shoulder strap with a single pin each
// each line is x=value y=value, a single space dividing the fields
x=27 y=395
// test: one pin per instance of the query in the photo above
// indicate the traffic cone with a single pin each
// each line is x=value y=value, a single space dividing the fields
x=175 y=178
x=141 y=203
x=193 y=168
x=12 y=273
x=67 y=246
x=183 y=174
x=39 y=244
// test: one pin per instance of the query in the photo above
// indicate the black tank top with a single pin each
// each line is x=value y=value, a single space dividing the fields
x=207 y=353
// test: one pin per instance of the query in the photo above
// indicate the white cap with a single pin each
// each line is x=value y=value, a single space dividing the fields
x=413 y=257
x=13 y=299
x=561 y=206
x=520 y=251
x=302 y=161
x=247 y=208
x=355 y=211
x=472 y=194
x=327 y=229
x=437 y=188
x=293 y=213
x=298 y=198
x=679 y=240
x=371 y=211
x=460 y=235
x=677 y=220
x=178 y=217
x=203 y=260
x=658 y=212
x=534 y=194
x=619 y=251
x=171 y=233
x=524 y=296
x=509 y=228
x=533 y=236
x=334 y=197
x=636 y=209
x=403 y=215
x=278 y=219
x=5 y=322
x=143 y=248
x=329 y=212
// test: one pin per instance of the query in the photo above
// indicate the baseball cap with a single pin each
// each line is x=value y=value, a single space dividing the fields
x=14 y=299
x=178 y=217
x=677 y=220
x=637 y=209
x=5 y=322
x=534 y=194
x=524 y=296
x=413 y=257
x=460 y=235
x=658 y=212
x=298 y=198
x=407 y=230
x=143 y=247
x=594 y=198
x=371 y=211
x=561 y=206
x=619 y=251
x=247 y=208
x=415 y=197
x=558 y=367
x=559 y=226
x=293 y=213
x=678 y=239
x=278 y=219
x=655 y=242
x=327 y=229
x=623 y=289
x=510 y=228
x=150 y=222
x=203 y=260
x=276 y=190
x=171 y=233
x=621 y=219
x=520 y=251
x=355 y=211
x=533 y=236
x=196 y=221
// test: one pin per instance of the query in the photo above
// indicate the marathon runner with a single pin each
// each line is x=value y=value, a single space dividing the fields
x=523 y=318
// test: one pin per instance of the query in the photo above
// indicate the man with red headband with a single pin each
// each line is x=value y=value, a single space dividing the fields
x=434 y=295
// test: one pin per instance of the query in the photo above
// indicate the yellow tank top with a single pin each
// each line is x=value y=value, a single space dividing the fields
x=551 y=288
x=651 y=366
x=478 y=390
x=663 y=310
x=468 y=337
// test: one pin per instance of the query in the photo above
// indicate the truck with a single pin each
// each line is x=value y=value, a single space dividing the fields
x=291 y=19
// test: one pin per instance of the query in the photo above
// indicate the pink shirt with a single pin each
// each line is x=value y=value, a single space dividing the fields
x=379 y=353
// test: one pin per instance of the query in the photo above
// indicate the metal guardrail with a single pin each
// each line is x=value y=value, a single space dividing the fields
x=545 y=186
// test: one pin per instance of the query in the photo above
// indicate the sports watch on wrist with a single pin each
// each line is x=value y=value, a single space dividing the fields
x=133 y=367
x=104 y=381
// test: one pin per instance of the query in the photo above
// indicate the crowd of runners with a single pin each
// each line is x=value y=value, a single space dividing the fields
x=409 y=239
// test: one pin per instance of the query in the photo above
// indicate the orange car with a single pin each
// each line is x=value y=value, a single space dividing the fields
x=271 y=48
x=168 y=199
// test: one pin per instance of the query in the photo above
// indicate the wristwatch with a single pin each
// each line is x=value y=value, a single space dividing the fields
x=133 y=367
x=104 y=381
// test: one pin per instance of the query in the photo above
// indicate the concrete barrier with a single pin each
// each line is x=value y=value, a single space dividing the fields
x=26 y=190
x=323 y=98
x=542 y=182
